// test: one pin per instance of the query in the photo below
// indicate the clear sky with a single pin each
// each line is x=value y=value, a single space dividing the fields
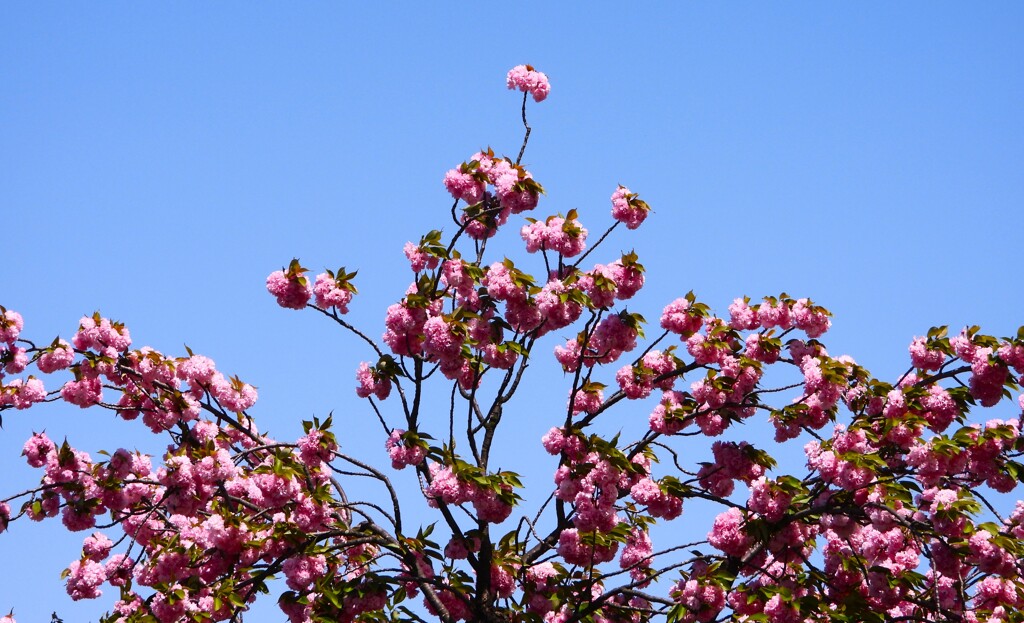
x=158 y=160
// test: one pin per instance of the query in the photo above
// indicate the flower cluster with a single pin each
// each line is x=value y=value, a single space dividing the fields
x=493 y=189
x=628 y=209
x=563 y=235
x=404 y=449
x=330 y=290
x=17 y=393
x=490 y=497
x=529 y=80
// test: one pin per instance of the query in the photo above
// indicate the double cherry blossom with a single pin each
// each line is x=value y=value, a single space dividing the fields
x=903 y=511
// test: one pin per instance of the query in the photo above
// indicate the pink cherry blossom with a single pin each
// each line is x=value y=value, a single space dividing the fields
x=462 y=184
x=59 y=358
x=528 y=80
x=85 y=578
x=83 y=393
x=679 y=317
x=11 y=324
x=233 y=394
x=331 y=292
x=291 y=289
x=419 y=259
x=627 y=209
x=401 y=453
x=924 y=358
x=727 y=533
x=371 y=383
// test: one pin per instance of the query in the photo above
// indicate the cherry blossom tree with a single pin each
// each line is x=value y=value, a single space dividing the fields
x=901 y=511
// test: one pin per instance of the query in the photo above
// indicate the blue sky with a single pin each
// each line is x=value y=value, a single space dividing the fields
x=159 y=160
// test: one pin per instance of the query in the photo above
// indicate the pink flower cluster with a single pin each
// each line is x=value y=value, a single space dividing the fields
x=466 y=183
x=85 y=578
x=557 y=441
x=989 y=371
x=333 y=291
x=402 y=452
x=728 y=535
x=290 y=287
x=923 y=357
x=592 y=493
x=540 y=583
x=419 y=259
x=233 y=394
x=372 y=382
x=824 y=381
x=404 y=328
x=555 y=306
x=59 y=356
x=637 y=554
x=5 y=516
x=581 y=549
x=147 y=381
x=620 y=280
x=563 y=235
x=891 y=549
x=673 y=413
x=446 y=487
x=638 y=380
x=37 y=449
x=732 y=461
x=703 y=599
x=459 y=548
x=529 y=80
x=587 y=399
x=22 y=394
x=715 y=401
x=464 y=345
x=316 y=448
x=19 y=393
x=330 y=290
x=659 y=503
x=628 y=209
x=102 y=335
x=11 y=324
x=515 y=191
x=762 y=348
x=178 y=506
x=844 y=473
x=783 y=313
x=768 y=499
x=614 y=335
x=459 y=345
x=301 y=571
x=683 y=317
